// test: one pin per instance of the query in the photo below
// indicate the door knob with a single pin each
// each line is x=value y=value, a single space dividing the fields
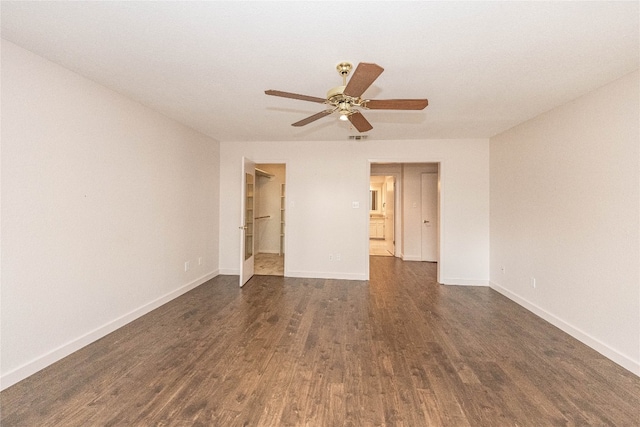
x=243 y=227
x=425 y=221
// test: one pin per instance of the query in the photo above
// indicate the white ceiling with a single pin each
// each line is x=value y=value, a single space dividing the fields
x=484 y=66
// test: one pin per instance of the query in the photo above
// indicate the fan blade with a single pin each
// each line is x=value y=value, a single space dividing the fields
x=359 y=122
x=364 y=75
x=313 y=118
x=295 y=96
x=396 y=104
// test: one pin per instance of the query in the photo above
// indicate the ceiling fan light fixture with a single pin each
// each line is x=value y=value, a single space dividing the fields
x=344 y=110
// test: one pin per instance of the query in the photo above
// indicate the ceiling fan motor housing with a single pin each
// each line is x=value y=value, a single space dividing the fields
x=337 y=98
x=335 y=94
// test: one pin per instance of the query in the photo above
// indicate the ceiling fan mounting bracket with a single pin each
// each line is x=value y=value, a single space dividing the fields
x=344 y=68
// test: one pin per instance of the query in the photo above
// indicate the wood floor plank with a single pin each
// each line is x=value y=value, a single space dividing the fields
x=398 y=350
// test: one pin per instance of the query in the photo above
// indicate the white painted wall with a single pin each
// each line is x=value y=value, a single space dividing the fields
x=268 y=200
x=324 y=178
x=103 y=201
x=565 y=210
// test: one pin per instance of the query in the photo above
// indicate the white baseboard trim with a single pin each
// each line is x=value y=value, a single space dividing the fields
x=602 y=348
x=305 y=274
x=326 y=275
x=463 y=282
x=269 y=252
x=10 y=378
x=410 y=258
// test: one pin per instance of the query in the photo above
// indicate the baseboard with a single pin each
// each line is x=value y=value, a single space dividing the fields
x=410 y=258
x=602 y=348
x=30 y=368
x=463 y=282
x=269 y=252
x=306 y=274
x=326 y=275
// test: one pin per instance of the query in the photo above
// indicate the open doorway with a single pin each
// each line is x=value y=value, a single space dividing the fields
x=414 y=218
x=382 y=215
x=270 y=217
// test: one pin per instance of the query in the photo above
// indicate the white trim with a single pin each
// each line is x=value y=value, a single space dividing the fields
x=30 y=368
x=463 y=282
x=229 y=271
x=602 y=348
x=411 y=258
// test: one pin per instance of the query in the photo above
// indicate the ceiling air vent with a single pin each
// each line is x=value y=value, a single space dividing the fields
x=358 y=137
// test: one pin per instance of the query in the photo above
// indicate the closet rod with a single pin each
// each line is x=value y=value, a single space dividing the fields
x=264 y=173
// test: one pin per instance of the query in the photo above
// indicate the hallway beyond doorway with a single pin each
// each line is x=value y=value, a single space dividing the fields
x=379 y=247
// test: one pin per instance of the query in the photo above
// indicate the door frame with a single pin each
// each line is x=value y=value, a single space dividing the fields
x=258 y=161
x=442 y=168
x=246 y=264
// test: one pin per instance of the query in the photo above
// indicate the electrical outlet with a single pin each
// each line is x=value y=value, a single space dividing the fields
x=338 y=257
x=330 y=257
x=503 y=269
x=199 y=260
x=187 y=265
x=533 y=282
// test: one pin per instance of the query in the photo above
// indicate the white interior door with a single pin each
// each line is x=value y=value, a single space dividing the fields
x=429 y=188
x=247 y=219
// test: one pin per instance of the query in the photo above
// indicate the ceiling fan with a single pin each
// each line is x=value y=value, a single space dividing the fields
x=345 y=98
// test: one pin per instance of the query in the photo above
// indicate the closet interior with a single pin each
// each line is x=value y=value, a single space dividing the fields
x=270 y=219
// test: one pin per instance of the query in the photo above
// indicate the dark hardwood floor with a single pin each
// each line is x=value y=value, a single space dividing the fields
x=399 y=350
